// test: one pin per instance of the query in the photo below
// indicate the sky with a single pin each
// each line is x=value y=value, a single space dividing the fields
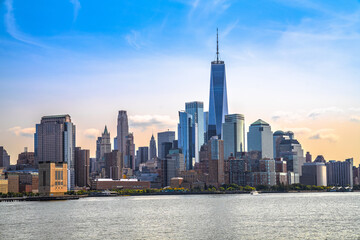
x=294 y=64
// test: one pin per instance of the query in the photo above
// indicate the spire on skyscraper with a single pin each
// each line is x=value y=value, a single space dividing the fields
x=217 y=45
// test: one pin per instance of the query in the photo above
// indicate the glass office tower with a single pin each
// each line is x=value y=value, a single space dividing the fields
x=196 y=109
x=185 y=134
x=218 y=104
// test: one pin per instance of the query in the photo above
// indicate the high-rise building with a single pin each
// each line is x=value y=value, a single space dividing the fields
x=233 y=134
x=55 y=142
x=314 y=173
x=4 y=158
x=260 y=138
x=152 y=149
x=122 y=131
x=103 y=146
x=292 y=152
x=218 y=104
x=142 y=155
x=168 y=136
x=216 y=161
x=185 y=135
x=340 y=173
x=113 y=165
x=308 y=157
x=82 y=167
x=129 y=157
x=206 y=124
x=196 y=109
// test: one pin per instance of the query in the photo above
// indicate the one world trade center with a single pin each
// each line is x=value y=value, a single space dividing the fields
x=218 y=104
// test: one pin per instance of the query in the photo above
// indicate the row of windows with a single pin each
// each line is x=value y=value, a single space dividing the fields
x=58 y=175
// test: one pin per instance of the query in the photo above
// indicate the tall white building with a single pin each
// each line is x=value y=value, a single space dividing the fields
x=233 y=134
x=260 y=138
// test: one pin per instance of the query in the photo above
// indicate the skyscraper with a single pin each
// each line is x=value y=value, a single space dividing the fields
x=233 y=134
x=103 y=146
x=218 y=104
x=122 y=131
x=129 y=154
x=340 y=173
x=142 y=155
x=196 y=109
x=260 y=138
x=152 y=149
x=185 y=138
x=168 y=136
x=4 y=158
x=291 y=151
x=82 y=167
x=55 y=142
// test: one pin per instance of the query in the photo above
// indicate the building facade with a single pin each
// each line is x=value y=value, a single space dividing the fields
x=82 y=167
x=314 y=173
x=233 y=134
x=168 y=136
x=4 y=158
x=340 y=173
x=185 y=138
x=122 y=131
x=260 y=138
x=53 y=178
x=55 y=142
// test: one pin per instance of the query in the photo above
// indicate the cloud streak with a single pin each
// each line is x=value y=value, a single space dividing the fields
x=91 y=133
x=77 y=7
x=11 y=27
x=325 y=134
x=144 y=121
x=24 y=132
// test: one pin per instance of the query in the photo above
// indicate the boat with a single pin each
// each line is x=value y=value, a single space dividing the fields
x=254 y=193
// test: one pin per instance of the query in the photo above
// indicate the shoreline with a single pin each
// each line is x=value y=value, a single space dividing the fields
x=76 y=197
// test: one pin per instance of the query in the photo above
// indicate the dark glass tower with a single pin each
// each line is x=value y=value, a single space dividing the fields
x=218 y=105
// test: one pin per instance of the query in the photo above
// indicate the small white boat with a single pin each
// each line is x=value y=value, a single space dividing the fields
x=254 y=193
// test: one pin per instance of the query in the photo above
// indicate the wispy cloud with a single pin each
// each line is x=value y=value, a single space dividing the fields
x=325 y=134
x=24 y=132
x=133 y=39
x=92 y=133
x=229 y=28
x=144 y=121
x=355 y=119
x=321 y=111
x=77 y=7
x=12 y=29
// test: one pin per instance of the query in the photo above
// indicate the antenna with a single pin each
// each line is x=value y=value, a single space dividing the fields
x=217 y=45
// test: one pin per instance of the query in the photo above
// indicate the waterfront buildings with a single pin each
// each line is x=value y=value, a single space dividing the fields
x=4 y=158
x=314 y=173
x=82 y=167
x=152 y=148
x=233 y=134
x=218 y=103
x=109 y=184
x=260 y=138
x=185 y=138
x=53 y=178
x=168 y=136
x=308 y=157
x=340 y=173
x=23 y=181
x=55 y=142
x=122 y=131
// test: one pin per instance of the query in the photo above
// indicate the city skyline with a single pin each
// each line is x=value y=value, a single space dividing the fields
x=322 y=110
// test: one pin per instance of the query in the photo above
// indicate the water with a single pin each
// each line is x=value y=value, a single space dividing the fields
x=266 y=216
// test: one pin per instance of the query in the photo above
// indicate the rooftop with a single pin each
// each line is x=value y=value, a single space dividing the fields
x=260 y=122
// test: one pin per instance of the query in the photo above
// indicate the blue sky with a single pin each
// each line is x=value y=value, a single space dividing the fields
x=293 y=63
